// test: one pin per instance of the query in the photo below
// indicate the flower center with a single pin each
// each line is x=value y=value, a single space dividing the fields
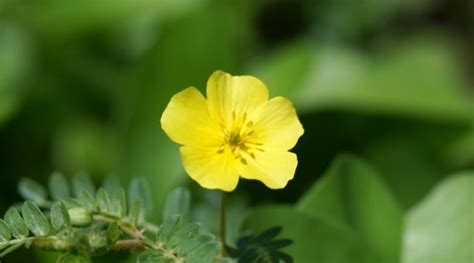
x=238 y=139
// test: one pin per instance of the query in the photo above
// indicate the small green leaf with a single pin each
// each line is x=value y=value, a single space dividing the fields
x=136 y=212
x=118 y=202
x=59 y=187
x=152 y=257
x=103 y=200
x=32 y=190
x=139 y=190
x=82 y=182
x=113 y=233
x=177 y=203
x=169 y=227
x=88 y=201
x=68 y=258
x=16 y=223
x=35 y=219
x=59 y=215
x=5 y=232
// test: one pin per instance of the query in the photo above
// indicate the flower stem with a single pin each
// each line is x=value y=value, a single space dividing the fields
x=222 y=223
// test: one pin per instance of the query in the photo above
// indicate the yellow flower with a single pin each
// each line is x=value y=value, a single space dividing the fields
x=236 y=132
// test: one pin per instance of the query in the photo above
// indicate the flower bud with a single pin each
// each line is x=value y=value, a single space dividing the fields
x=79 y=216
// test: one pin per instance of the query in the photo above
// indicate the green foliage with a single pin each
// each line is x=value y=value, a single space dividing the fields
x=441 y=228
x=178 y=203
x=178 y=241
x=93 y=223
x=264 y=248
x=348 y=194
x=350 y=215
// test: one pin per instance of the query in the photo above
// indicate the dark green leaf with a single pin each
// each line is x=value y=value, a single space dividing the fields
x=351 y=193
x=59 y=187
x=59 y=215
x=16 y=223
x=82 y=182
x=440 y=228
x=314 y=237
x=113 y=233
x=32 y=190
x=178 y=202
x=5 y=232
x=35 y=219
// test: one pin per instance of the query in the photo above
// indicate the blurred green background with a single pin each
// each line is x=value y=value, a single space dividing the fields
x=387 y=84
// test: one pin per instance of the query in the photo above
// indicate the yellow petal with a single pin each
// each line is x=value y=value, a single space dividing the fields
x=277 y=125
x=186 y=120
x=210 y=169
x=273 y=167
x=234 y=95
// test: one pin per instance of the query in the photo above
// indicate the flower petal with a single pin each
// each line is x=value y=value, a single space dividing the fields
x=210 y=169
x=234 y=95
x=273 y=167
x=186 y=120
x=277 y=125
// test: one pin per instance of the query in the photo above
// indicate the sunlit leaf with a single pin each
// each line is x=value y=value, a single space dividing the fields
x=441 y=227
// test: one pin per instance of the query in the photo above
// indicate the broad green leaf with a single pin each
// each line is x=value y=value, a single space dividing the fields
x=314 y=237
x=82 y=182
x=352 y=193
x=178 y=202
x=32 y=190
x=139 y=190
x=5 y=232
x=59 y=187
x=391 y=83
x=35 y=219
x=441 y=227
x=16 y=223
x=59 y=215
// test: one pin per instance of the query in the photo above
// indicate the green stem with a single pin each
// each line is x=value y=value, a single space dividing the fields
x=222 y=223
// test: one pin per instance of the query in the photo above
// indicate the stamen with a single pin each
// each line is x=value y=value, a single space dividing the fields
x=221 y=151
x=249 y=124
x=243 y=161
